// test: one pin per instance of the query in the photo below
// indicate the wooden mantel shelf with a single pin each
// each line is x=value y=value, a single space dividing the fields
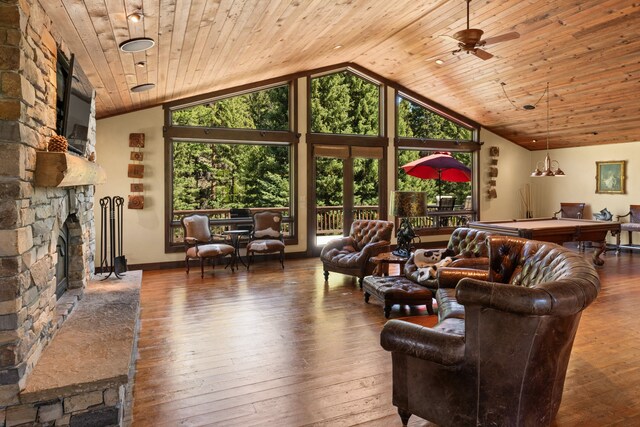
x=65 y=170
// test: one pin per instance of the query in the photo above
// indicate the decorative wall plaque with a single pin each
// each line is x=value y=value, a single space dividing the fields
x=137 y=156
x=137 y=188
x=136 y=140
x=136 y=202
x=135 y=171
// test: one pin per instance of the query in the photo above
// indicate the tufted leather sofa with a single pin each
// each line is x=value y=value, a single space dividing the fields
x=350 y=255
x=467 y=244
x=499 y=353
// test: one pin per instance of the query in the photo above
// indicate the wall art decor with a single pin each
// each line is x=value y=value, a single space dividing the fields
x=610 y=177
x=137 y=188
x=137 y=156
x=136 y=202
x=136 y=140
x=135 y=171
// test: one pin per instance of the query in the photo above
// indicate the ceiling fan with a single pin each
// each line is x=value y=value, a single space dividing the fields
x=470 y=41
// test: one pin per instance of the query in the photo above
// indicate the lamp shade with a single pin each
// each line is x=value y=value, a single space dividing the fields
x=408 y=204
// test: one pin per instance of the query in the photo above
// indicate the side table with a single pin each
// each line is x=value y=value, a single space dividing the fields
x=383 y=260
x=235 y=242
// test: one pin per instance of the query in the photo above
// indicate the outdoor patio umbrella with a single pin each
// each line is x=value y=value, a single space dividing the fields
x=440 y=166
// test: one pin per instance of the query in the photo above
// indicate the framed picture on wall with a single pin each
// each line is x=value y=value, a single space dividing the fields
x=610 y=177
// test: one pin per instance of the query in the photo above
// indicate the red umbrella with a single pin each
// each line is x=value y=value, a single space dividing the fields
x=440 y=166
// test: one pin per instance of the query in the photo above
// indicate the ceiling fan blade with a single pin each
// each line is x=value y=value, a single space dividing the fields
x=482 y=54
x=501 y=38
x=448 y=37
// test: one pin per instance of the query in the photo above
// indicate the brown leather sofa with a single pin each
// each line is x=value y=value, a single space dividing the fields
x=350 y=255
x=499 y=353
x=466 y=244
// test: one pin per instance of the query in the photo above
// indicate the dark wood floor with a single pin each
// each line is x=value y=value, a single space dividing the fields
x=282 y=348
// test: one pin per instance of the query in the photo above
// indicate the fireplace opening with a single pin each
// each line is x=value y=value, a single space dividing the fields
x=62 y=267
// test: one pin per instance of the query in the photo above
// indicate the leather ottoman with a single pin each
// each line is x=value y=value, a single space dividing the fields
x=396 y=290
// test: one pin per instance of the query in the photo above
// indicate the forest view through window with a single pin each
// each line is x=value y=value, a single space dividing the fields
x=213 y=177
x=344 y=103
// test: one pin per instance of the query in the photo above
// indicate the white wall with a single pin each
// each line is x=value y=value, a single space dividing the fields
x=143 y=228
x=513 y=175
x=579 y=184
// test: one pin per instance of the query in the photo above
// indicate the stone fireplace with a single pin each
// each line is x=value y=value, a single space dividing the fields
x=32 y=216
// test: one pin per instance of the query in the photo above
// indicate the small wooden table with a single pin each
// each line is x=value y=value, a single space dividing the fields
x=383 y=260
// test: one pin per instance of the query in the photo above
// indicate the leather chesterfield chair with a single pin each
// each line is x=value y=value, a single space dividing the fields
x=350 y=255
x=468 y=245
x=500 y=357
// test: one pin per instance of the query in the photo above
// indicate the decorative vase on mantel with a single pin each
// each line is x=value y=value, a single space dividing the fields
x=58 y=144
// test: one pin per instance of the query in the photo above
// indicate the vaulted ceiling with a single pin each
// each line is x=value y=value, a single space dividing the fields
x=589 y=51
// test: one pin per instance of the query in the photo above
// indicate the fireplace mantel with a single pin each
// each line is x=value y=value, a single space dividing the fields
x=66 y=170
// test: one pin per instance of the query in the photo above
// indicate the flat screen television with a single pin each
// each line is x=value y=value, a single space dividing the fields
x=73 y=103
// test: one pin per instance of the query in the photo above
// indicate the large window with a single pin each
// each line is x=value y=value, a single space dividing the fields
x=423 y=132
x=266 y=109
x=417 y=121
x=230 y=157
x=345 y=103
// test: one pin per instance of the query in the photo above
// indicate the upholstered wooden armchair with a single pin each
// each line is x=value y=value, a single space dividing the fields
x=350 y=255
x=570 y=210
x=632 y=226
x=200 y=244
x=266 y=236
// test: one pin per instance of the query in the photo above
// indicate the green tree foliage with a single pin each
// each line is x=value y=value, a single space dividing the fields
x=343 y=103
x=416 y=121
x=210 y=176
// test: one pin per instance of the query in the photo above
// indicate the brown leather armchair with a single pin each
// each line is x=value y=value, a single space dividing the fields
x=500 y=357
x=350 y=255
x=467 y=244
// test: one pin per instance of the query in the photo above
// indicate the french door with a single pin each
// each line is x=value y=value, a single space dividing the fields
x=348 y=183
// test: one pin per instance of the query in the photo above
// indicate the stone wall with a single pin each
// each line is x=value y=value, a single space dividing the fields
x=30 y=216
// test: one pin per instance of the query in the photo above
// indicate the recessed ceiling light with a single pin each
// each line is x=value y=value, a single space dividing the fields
x=439 y=61
x=137 y=45
x=141 y=64
x=338 y=46
x=135 y=17
x=143 y=87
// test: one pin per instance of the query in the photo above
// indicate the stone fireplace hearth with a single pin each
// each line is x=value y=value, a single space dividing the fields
x=32 y=216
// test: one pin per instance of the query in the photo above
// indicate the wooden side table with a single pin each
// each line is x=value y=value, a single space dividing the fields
x=383 y=260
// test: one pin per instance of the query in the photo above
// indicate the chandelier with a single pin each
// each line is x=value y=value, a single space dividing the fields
x=550 y=167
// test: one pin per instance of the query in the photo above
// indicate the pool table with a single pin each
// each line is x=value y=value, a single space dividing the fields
x=555 y=230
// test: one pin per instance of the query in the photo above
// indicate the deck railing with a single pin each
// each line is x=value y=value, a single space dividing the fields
x=329 y=219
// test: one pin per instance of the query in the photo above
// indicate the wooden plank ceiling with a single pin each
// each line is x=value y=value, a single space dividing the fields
x=589 y=51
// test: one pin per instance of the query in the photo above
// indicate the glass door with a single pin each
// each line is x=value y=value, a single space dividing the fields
x=347 y=186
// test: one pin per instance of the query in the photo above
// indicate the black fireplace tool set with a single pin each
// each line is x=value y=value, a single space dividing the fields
x=111 y=258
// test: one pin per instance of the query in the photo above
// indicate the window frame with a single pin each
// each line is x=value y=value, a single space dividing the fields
x=410 y=143
x=212 y=135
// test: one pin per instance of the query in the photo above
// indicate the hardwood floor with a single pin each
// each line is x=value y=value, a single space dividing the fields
x=281 y=347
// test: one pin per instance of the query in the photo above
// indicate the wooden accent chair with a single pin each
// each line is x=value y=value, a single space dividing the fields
x=350 y=254
x=266 y=236
x=199 y=243
x=570 y=210
x=631 y=226
x=446 y=203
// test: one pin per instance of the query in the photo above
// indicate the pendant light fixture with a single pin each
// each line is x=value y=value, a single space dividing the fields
x=551 y=167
